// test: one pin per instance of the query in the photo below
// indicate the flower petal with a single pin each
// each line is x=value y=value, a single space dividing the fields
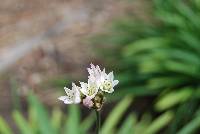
x=67 y=90
x=109 y=91
x=115 y=82
x=65 y=99
x=83 y=88
x=77 y=98
x=111 y=76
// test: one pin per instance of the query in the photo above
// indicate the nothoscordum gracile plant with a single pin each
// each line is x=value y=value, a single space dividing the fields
x=92 y=93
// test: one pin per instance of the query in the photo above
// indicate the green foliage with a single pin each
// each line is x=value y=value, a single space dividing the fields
x=4 y=128
x=39 y=121
x=87 y=123
x=128 y=124
x=71 y=123
x=160 y=60
x=115 y=115
x=159 y=123
x=22 y=123
x=42 y=116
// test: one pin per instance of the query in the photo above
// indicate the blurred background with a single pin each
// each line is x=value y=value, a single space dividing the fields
x=153 y=47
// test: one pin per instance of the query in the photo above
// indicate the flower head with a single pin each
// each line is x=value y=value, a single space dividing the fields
x=91 y=94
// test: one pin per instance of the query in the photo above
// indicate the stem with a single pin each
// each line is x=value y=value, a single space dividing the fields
x=98 y=122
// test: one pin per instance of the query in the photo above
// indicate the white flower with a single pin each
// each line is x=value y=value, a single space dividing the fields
x=108 y=82
x=105 y=81
x=89 y=89
x=73 y=96
x=94 y=74
x=90 y=94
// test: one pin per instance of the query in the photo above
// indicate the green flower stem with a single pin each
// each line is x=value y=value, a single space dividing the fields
x=98 y=122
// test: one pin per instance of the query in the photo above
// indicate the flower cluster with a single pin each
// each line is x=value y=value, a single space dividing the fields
x=91 y=94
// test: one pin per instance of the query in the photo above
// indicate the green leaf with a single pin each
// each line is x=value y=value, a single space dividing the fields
x=173 y=98
x=32 y=117
x=165 y=82
x=188 y=13
x=190 y=39
x=159 y=123
x=115 y=115
x=171 y=19
x=185 y=56
x=182 y=68
x=56 y=119
x=191 y=126
x=141 y=126
x=72 y=125
x=144 y=45
x=127 y=126
x=87 y=123
x=4 y=128
x=43 y=121
x=22 y=123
